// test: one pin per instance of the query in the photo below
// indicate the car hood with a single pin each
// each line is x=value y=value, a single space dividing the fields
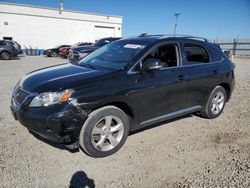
x=59 y=77
x=90 y=47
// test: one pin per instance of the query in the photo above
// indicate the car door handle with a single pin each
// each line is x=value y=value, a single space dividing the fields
x=181 y=77
x=215 y=72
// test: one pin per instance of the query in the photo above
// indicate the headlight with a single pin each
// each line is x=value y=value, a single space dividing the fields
x=50 y=98
x=82 y=55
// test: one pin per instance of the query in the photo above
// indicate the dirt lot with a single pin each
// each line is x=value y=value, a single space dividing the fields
x=190 y=151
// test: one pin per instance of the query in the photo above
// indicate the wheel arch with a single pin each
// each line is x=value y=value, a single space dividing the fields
x=1 y=51
x=123 y=106
x=227 y=88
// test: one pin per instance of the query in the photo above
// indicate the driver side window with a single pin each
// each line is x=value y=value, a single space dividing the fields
x=166 y=54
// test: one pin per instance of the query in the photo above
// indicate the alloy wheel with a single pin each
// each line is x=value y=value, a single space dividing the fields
x=5 y=56
x=218 y=102
x=107 y=133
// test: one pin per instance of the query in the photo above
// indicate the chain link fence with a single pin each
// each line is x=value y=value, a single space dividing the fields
x=238 y=47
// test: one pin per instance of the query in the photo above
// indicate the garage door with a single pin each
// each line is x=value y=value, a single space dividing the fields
x=103 y=31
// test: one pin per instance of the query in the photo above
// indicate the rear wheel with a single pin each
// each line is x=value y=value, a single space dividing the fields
x=53 y=54
x=215 y=104
x=5 y=56
x=104 y=132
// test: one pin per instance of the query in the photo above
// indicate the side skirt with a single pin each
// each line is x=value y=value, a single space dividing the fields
x=168 y=116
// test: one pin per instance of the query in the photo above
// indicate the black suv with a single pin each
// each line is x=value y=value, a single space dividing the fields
x=123 y=86
x=7 y=49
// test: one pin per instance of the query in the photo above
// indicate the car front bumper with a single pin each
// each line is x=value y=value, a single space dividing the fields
x=59 y=124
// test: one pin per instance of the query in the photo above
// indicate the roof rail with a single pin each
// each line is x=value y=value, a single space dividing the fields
x=186 y=37
x=174 y=36
x=147 y=35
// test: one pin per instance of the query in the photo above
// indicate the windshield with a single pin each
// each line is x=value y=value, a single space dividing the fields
x=101 y=42
x=113 y=56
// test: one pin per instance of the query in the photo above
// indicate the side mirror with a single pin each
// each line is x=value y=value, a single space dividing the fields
x=151 y=64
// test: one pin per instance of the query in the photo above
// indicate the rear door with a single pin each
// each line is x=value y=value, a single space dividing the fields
x=201 y=73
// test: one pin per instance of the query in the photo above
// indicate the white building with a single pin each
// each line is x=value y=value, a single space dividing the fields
x=44 y=28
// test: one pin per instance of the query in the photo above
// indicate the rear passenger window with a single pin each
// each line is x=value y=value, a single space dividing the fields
x=196 y=54
x=216 y=57
x=2 y=43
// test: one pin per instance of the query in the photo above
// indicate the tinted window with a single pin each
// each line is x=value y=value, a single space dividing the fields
x=2 y=43
x=166 y=54
x=196 y=54
x=216 y=57
x=102 y=42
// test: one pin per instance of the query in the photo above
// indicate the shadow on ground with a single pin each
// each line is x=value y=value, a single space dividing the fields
x=81 y=180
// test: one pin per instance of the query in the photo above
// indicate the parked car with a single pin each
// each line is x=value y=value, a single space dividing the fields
x=64 y=52
x=75 y=54
x=227 y=53
x=54 y=52
x=17 y=46
x=121 y=87
x=7 y=50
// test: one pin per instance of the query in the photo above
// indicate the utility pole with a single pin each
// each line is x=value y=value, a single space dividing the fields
x=61 y=6
x=176 y=21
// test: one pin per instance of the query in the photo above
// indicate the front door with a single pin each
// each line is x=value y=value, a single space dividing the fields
x=161 y=91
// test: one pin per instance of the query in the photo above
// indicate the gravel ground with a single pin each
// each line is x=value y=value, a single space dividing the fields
x=188 y=152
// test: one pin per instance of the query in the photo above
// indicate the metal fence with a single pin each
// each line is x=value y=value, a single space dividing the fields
x=240 y=47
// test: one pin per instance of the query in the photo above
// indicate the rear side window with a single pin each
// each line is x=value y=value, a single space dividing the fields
x=196 y=54
x=216 y=57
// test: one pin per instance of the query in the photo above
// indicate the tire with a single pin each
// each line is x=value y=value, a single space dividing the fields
x=104 y=132
x=5 y=56
x=215 y=104
x=53 y=54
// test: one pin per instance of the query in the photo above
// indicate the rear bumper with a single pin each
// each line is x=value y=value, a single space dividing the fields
x=59 y=124
x=232 y=85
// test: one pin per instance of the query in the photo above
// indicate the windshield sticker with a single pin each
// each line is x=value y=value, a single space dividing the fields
x=134 y=46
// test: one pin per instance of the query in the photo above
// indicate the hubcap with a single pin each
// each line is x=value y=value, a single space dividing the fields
x=5 y=55
x=218 y=102
x=107 y=133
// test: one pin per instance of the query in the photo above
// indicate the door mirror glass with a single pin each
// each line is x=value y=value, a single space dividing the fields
x=151 y=64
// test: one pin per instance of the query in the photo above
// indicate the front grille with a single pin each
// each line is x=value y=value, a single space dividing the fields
x=20 y=95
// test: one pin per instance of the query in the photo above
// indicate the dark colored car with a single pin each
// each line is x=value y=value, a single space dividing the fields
x=75 y=54
x=8 y=50
x=54 y=52
x=64 y=52
x=123 y=86
x=227 y=53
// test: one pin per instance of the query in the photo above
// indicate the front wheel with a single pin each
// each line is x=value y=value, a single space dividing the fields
x=215 y=104
x=53 y=54
x=104 y=132
x=5 y=56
